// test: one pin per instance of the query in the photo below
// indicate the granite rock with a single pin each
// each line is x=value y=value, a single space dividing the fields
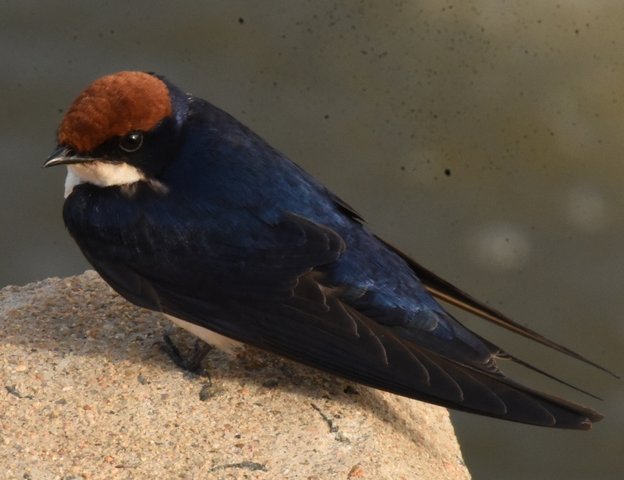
x=87 y=393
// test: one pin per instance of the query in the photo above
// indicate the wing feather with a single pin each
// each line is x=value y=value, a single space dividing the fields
x=292 y=308
x=449 y=293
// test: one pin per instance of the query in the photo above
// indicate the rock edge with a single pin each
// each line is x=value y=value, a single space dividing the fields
x=87 y=394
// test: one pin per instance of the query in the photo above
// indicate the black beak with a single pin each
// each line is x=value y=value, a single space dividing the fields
x=65 y=156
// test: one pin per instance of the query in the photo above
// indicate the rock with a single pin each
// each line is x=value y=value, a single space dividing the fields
x=88 y=394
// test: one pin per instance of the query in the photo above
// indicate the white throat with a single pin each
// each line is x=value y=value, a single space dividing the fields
x=102 y=174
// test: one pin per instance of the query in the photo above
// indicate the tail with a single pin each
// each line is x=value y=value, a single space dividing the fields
x=495 y=395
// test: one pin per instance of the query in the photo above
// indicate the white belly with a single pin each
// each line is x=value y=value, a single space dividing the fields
x=217 y=340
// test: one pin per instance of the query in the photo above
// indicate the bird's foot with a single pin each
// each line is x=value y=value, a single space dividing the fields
x=192 y=362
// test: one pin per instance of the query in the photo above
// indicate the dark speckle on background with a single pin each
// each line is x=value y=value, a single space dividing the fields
x=519 y=106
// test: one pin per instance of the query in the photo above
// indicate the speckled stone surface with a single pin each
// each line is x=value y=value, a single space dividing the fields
x=88 y=394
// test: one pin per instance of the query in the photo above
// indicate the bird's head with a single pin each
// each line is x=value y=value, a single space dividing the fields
x=119 y=131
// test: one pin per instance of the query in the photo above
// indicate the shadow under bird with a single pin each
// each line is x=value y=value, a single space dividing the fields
x=184 y=210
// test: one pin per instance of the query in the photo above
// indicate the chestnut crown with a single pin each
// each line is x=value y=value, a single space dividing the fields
x=114 y=106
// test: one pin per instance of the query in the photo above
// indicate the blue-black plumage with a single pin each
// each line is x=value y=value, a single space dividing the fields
x=184 y=210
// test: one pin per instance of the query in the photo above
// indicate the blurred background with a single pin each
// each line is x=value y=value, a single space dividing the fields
x=483 y=138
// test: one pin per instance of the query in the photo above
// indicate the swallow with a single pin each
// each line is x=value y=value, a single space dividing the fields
x=183 y=210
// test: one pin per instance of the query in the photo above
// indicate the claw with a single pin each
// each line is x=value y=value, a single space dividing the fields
x=191 y=362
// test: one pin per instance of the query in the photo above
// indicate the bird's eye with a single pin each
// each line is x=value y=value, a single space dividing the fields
x=131 y=142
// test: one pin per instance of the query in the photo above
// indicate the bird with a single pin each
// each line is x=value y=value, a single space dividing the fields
x=183 y=210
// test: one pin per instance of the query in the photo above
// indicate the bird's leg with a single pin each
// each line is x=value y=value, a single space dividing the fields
x=191 y=362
